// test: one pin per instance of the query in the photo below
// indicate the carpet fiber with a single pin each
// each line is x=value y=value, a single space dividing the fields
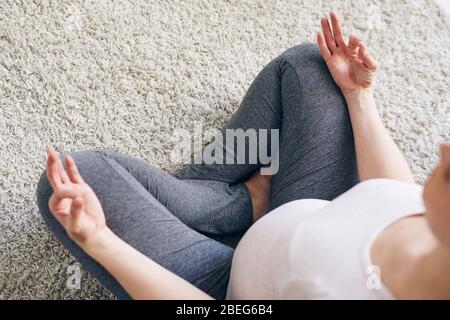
x=124 y=75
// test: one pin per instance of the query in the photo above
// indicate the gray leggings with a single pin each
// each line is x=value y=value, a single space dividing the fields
x=190 y=222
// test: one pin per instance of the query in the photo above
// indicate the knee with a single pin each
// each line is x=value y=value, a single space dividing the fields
x=301 y=52
x=306 y=64
x=85 y=157
x=303 y=56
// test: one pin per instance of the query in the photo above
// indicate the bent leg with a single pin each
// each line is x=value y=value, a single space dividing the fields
x=208 y=206
x=144 y=223
x=296 y=94
x=260 y=109
x=317 y=153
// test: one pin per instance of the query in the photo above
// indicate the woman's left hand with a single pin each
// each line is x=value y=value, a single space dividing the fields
x=351 y=66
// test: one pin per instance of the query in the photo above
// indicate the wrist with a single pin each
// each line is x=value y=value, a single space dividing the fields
x=361 y=99
x=100 y=242
x=358 y=93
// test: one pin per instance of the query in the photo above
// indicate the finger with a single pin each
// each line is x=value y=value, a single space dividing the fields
x=59 y=165
x=52 y=169
x=354 y=42
x=72 y=170
x=62 y=171
x=329 y=40
x=67 y=191
x=366 y=58
x=353 y=45
x=55 y=203
x=337 y=30
x=76 y=214
x=326 y=54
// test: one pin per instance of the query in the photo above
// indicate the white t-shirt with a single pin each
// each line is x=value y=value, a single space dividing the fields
x=317 y=249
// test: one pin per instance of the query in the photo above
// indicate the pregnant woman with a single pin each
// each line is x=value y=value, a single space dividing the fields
x=345 y=220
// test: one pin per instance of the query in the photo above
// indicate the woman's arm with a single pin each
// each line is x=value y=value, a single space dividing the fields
x=140 y=276
x=353 y=69
x=377 y=154
x=75 y=205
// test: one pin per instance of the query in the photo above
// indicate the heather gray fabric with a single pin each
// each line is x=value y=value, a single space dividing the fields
x=190 y=222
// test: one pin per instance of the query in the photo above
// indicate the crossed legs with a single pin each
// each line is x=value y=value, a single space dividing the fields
x=190 y=222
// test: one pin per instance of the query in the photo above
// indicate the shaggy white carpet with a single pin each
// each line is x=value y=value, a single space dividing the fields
x=124 y=75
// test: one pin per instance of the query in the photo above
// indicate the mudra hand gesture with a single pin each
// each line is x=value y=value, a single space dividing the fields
x=351 y=65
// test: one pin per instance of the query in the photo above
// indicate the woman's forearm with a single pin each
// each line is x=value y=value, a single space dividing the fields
x=377 y=154
x=140 y=276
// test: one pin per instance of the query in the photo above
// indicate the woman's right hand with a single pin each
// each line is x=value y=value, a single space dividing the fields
x=351 y=66
x=73 y=203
